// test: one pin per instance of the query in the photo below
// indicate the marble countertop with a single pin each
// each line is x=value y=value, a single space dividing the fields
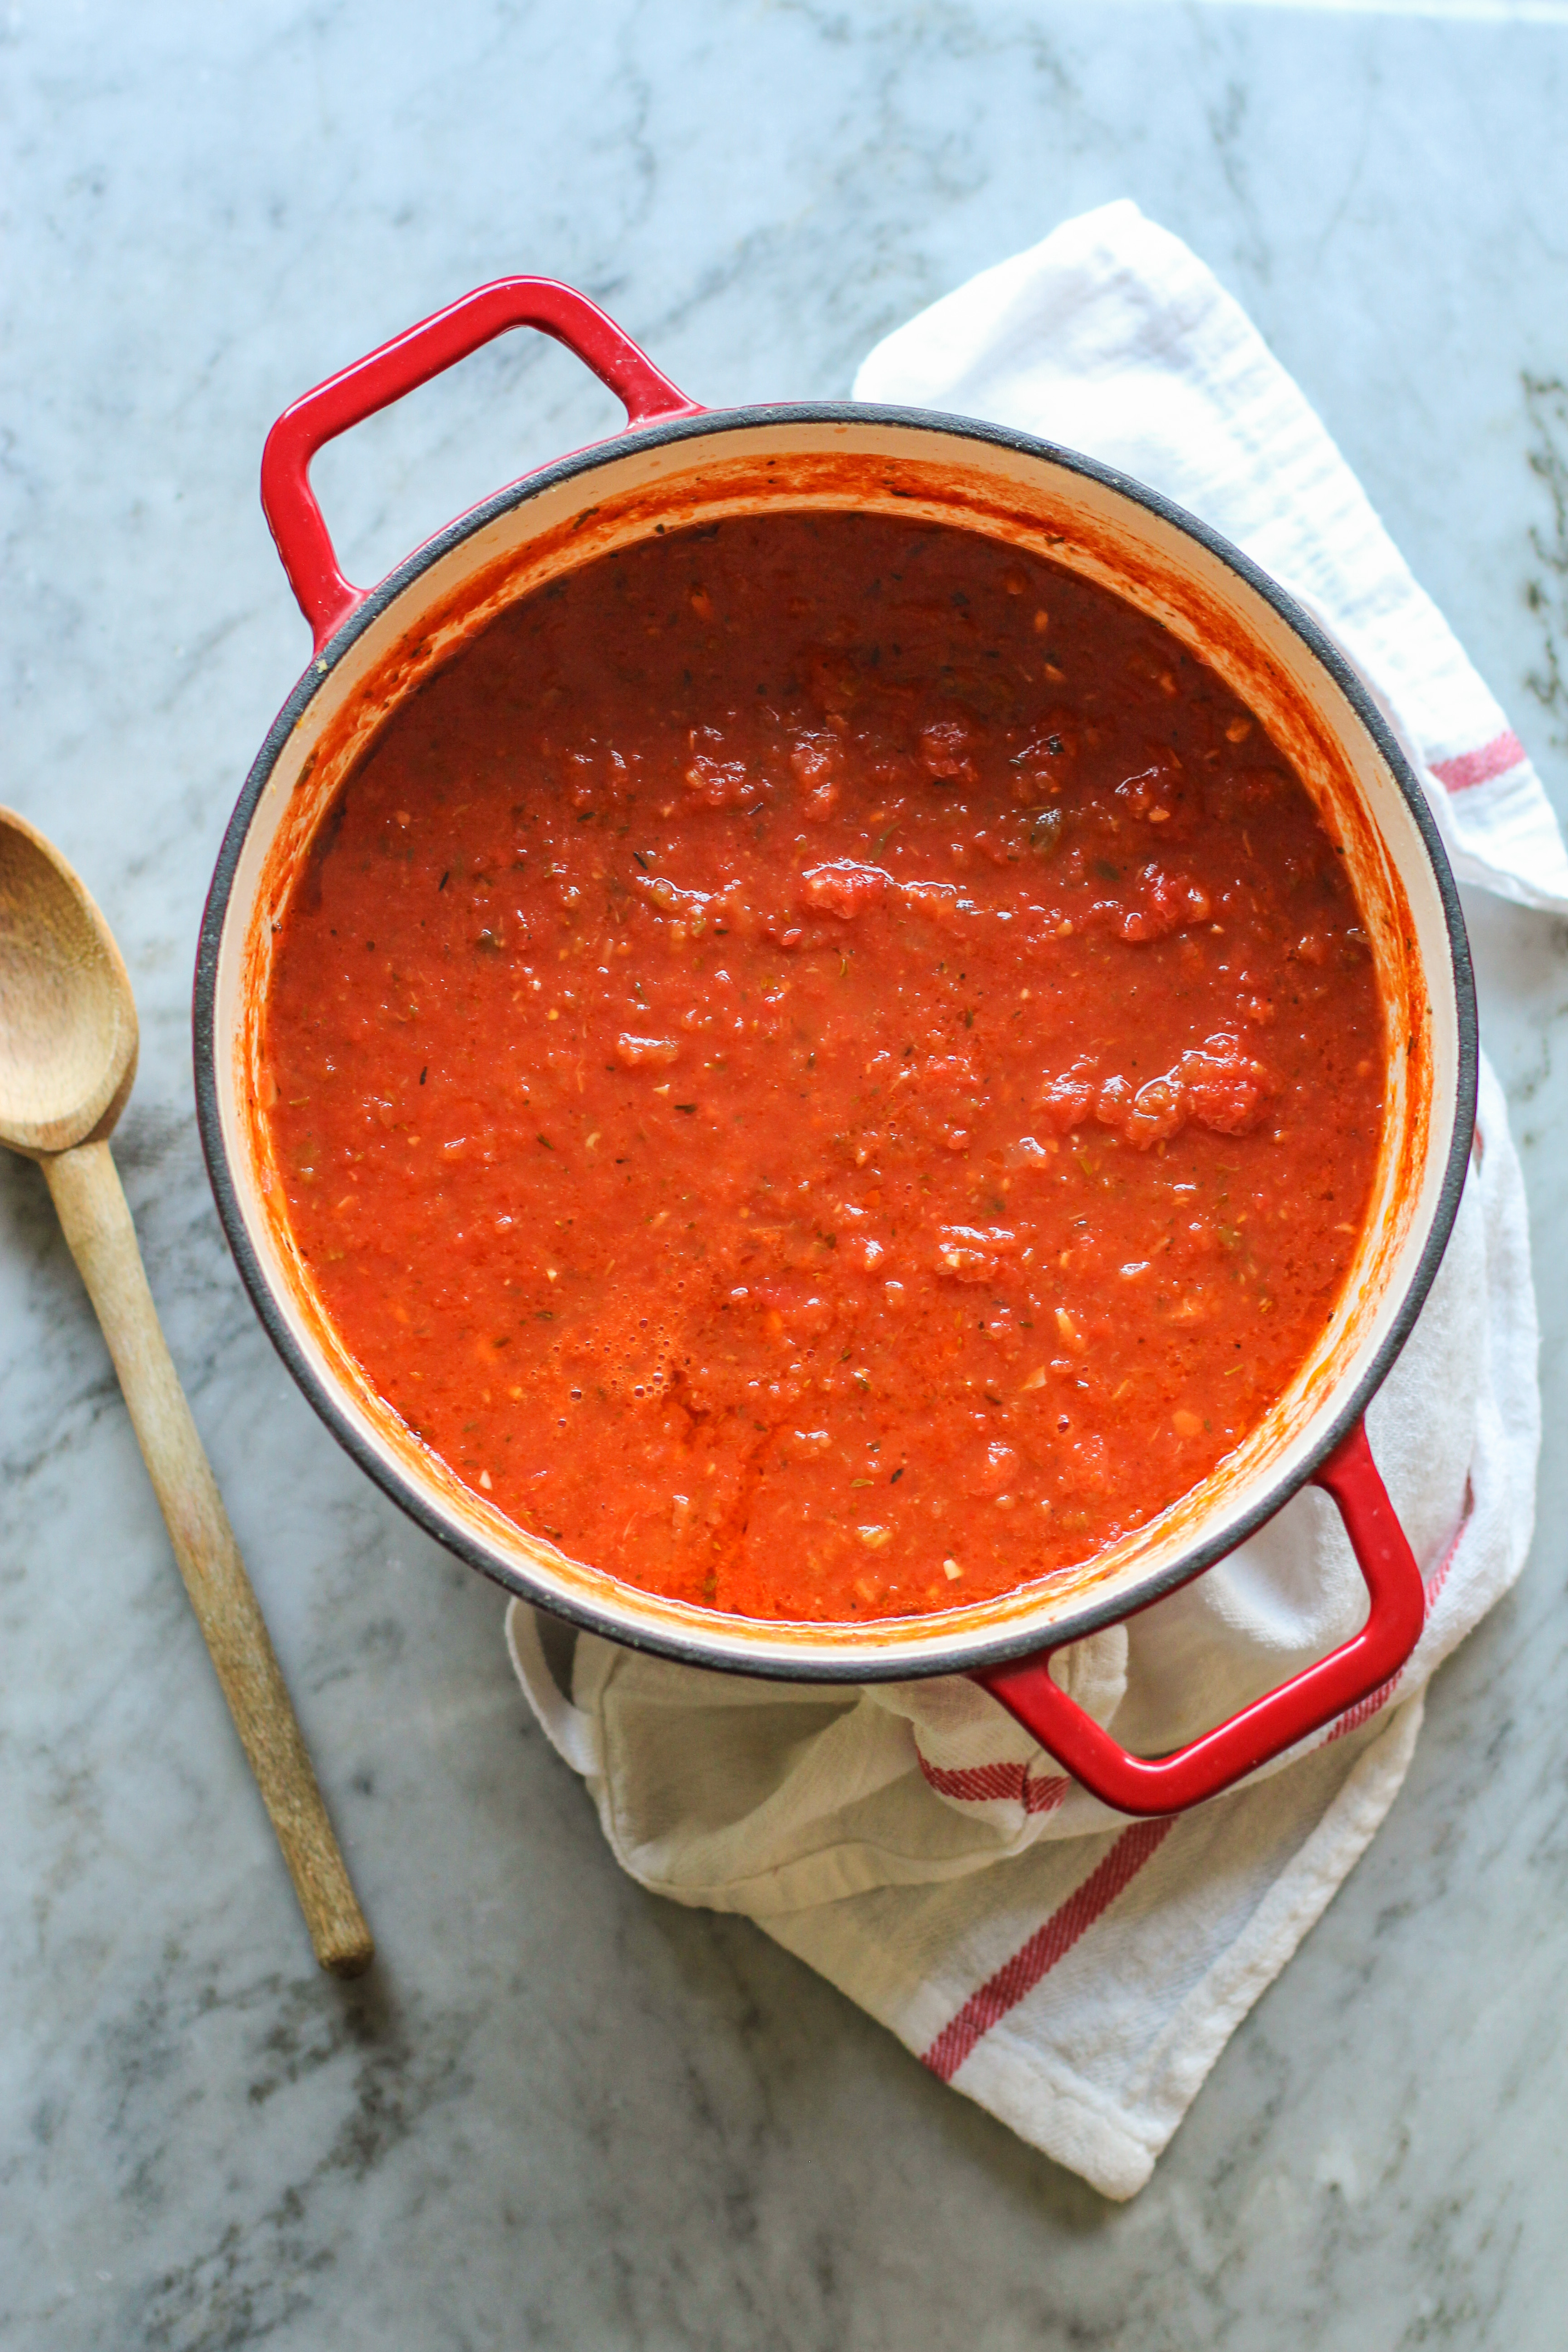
x=560 y=2112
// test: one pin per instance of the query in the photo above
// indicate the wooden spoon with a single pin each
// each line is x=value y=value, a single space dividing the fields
x=67 y=1055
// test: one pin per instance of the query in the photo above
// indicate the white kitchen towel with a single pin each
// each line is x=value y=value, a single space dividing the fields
x=1112 y=338
x=1075 y=1973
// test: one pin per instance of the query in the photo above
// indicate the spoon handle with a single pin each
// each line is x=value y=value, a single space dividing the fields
x=97 y=1224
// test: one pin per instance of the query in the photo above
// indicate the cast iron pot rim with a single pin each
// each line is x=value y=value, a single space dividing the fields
x=1017 y=1642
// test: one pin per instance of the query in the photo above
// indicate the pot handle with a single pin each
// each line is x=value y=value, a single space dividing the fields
x=1355 y=1671
x=304 y=543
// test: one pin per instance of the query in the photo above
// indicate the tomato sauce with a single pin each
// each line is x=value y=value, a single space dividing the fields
x=826 y=1065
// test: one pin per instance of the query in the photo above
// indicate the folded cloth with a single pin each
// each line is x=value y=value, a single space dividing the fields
x=1113 y=339
x=1075 y=1973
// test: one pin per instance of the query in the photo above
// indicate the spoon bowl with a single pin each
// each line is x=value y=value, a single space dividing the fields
x=68 y=1040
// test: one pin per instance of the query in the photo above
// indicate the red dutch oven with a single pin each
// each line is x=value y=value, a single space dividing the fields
x=675 y=465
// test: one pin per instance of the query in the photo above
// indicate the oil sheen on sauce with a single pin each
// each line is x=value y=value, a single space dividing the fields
x=826 y=1065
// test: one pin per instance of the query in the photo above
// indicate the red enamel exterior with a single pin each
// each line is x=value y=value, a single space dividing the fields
x=1132 y=1784
x=1169 y=1784
x=304 y=543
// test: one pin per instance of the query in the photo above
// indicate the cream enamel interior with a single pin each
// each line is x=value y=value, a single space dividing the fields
x=909 y=469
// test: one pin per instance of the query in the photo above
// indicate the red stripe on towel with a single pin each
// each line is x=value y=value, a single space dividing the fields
x=987 y=1784
x=1050 y=1943
x=1494 y=759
